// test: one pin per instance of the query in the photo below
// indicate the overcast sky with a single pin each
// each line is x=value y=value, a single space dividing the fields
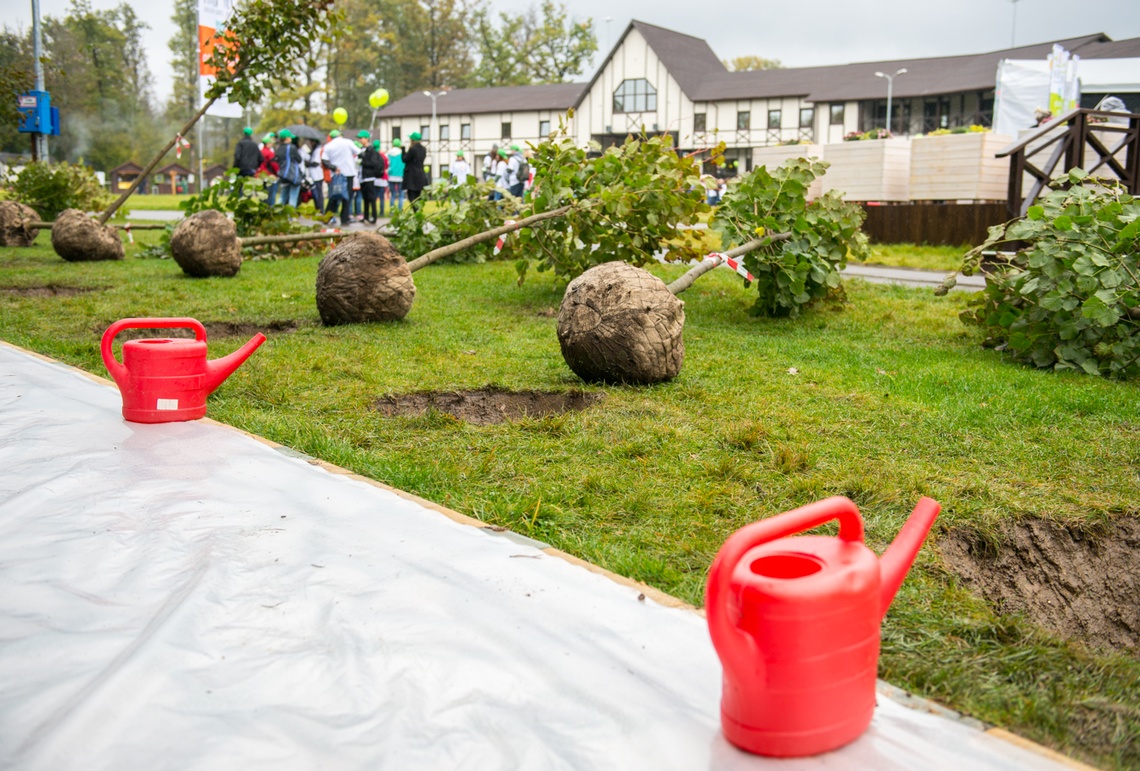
x=798 y=34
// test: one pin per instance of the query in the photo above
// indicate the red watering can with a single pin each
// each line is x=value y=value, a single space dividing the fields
x=795 y=622
x=163 y=380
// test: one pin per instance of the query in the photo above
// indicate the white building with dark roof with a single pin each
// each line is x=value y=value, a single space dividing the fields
x=668 y=82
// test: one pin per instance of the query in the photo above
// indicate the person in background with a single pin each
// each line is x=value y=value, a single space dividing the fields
x=362 y=139
x=514 y=165
x=311 y=157
x=290 y=171
x=415 y=180
x=247 y=156
x=382 y=182
x=502 y=176
x=371 y=170
x=340 y=157
x=268 y=168
x=396 y=175
x=460 y=169
x=490 y=162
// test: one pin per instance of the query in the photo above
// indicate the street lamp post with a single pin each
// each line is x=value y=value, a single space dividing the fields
x=890 y=87
x=435 y=132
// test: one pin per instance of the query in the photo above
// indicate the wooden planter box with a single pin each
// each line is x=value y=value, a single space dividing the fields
x=869 y=170
x=959 y=167
x=773 y=156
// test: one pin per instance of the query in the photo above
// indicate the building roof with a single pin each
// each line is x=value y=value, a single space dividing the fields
x=688 y=59
x=849 y=82
x=172 y=167
x=1114 y=49
x=129 y=167
x=474 y=101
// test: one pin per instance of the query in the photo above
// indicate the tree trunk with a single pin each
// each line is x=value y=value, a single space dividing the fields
x=479 y=238
x=686 y=281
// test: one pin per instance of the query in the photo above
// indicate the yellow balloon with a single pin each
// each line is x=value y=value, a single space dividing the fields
x=378 y=98
x=340 y=115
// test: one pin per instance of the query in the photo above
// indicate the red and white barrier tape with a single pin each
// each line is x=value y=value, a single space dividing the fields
x=732 y=263
x=130 y=237
x=179 y=143
x=502 y=239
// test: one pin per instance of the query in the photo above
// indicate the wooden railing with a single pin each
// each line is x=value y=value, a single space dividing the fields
x=1067 y=140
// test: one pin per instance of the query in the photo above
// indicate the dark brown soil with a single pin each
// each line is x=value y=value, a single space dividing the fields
x=487 y=405
x=1079 y=584
x=214 y=329
x=50 y=290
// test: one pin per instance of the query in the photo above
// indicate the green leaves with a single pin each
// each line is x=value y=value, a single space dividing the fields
x=793 y=273
x=49 y=188
x=448 y=213
x=1069 y=299
x=628 y=202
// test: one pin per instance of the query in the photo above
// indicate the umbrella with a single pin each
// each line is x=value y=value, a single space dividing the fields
x=303 y=131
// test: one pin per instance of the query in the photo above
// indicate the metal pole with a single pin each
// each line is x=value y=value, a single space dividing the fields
x=890 y=86
x=40 y=140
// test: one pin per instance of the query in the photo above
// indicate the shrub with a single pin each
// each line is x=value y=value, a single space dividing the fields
x=1071 y=298
x=446 y=213
x=49 y=188
x=795 y=272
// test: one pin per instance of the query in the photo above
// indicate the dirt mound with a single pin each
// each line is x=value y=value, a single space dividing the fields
x=206 y=244
x=14 y=219
x=214 y=329
x=487 y=405
x=79 y=238
x=49 y=290
x=1083 y=585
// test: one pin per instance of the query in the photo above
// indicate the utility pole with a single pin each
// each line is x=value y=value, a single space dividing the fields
x=39 y=139
x=890 y=86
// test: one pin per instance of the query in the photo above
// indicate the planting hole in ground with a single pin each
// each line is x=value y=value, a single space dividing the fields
x=214 y=329
x=487 y=405
x=50 y=290
x=1081 y=585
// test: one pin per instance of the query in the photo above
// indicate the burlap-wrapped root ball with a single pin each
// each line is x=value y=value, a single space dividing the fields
x=621 y=324
x=79 y=238
x=363 y=279
x=206 y=244
x=14 y=219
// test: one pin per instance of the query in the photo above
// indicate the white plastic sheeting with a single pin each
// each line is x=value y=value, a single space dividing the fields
x=1023 y=86
x=184 y=596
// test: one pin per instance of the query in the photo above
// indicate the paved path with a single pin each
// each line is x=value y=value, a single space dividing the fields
x=880 y=274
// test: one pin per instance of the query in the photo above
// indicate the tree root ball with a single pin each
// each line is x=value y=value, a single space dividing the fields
x=79 y=238
x=364 y=279
x=14 y=219
x=206 y=244
x=621 y=324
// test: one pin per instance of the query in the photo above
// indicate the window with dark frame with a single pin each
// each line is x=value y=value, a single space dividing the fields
x=699 y=120
x=743 y=120
x=635 y=95
x=543 y=128
x=425 y=132
x=395 y=132
x=807 y=117
x=774 y=119
x=444 y=132
x=464 y=130
x=505 y=132
x=837 y=115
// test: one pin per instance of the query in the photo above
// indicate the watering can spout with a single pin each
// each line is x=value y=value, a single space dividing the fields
x=220 y=369
x=899 y=556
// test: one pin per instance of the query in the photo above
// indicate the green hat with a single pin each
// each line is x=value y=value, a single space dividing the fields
x=334 y=134
x=515 y=148
x=247 y=131
x=285 y=134
x=375 y=144
x=267 y=138
x=415 y=136
x=363 y=134
x=397 y=143
x=504 y=154
x=459 y=154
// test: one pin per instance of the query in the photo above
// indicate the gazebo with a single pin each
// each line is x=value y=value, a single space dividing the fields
x=172 y=178
x=123 y=176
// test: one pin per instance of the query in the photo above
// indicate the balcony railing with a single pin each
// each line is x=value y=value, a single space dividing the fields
x=1102 y=143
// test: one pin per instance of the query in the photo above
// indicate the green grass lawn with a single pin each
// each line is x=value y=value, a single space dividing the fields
x=884 y=399
x=160 y=202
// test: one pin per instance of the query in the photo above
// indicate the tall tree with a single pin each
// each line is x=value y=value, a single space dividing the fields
x=752 y=63
x=543 y=45
x=16 y=77
x=183 y=47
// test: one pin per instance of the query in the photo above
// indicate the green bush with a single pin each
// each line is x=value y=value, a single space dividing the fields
x=795 y=272
x=49 y=188
x=1071 y=298
x=446 y=213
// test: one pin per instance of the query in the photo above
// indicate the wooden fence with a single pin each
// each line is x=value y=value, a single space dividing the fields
x=950 y=224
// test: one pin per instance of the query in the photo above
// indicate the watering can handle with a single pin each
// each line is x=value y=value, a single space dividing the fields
x=736 y=648
x=117 y=370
